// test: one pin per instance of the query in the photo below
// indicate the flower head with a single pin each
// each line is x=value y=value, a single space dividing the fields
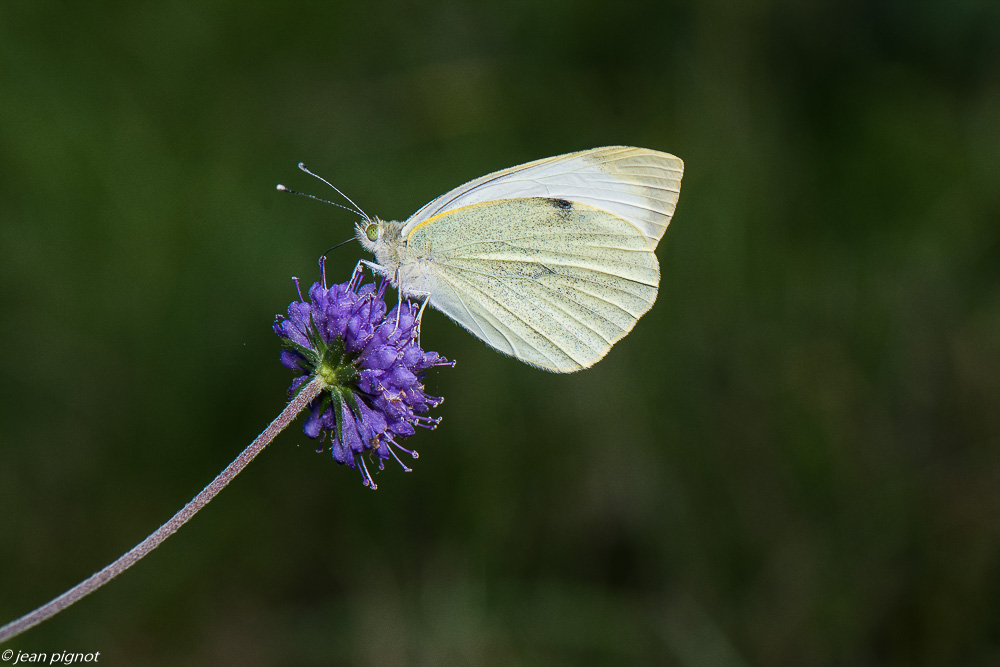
x=371 y=364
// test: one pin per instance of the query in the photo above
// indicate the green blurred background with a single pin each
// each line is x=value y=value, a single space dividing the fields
x=794 y=459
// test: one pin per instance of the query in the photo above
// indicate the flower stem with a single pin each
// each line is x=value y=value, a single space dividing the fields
x=127 y=560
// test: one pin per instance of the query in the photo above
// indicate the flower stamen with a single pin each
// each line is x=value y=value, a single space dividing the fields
x=401 y=464
x=366 y=477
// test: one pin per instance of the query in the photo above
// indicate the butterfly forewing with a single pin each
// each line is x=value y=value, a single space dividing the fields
x=636 y=184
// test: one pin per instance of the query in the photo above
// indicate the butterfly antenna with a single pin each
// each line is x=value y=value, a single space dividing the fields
x=303 y=167
x=282 y=188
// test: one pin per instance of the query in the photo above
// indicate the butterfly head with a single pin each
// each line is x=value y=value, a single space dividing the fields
x=382 y=238
x=370 y=233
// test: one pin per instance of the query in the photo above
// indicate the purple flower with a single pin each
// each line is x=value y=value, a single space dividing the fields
x=371 y=364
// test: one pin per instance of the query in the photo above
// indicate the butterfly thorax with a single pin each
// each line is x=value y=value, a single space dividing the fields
x=405 y=270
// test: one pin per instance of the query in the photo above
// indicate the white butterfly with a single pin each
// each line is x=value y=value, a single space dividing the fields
x=551 y=261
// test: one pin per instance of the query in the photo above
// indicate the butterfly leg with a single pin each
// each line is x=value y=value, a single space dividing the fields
x=420 y=314
x=399 y=309
x=376 y=268
x=356 y=274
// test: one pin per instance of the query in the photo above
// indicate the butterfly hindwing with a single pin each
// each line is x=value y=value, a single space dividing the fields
x=552 y=282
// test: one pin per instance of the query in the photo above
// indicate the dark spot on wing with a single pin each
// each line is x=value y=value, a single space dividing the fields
x=561 y=204
x=544 y=272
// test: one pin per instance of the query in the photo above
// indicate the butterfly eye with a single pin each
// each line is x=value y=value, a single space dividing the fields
x=371 y=231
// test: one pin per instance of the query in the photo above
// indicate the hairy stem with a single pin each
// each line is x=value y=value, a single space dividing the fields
x=127 y=560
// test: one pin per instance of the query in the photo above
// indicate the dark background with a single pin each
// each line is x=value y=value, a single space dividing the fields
x=792 y=460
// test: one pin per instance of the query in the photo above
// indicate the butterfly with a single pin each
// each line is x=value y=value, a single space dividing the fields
x=551 y=262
